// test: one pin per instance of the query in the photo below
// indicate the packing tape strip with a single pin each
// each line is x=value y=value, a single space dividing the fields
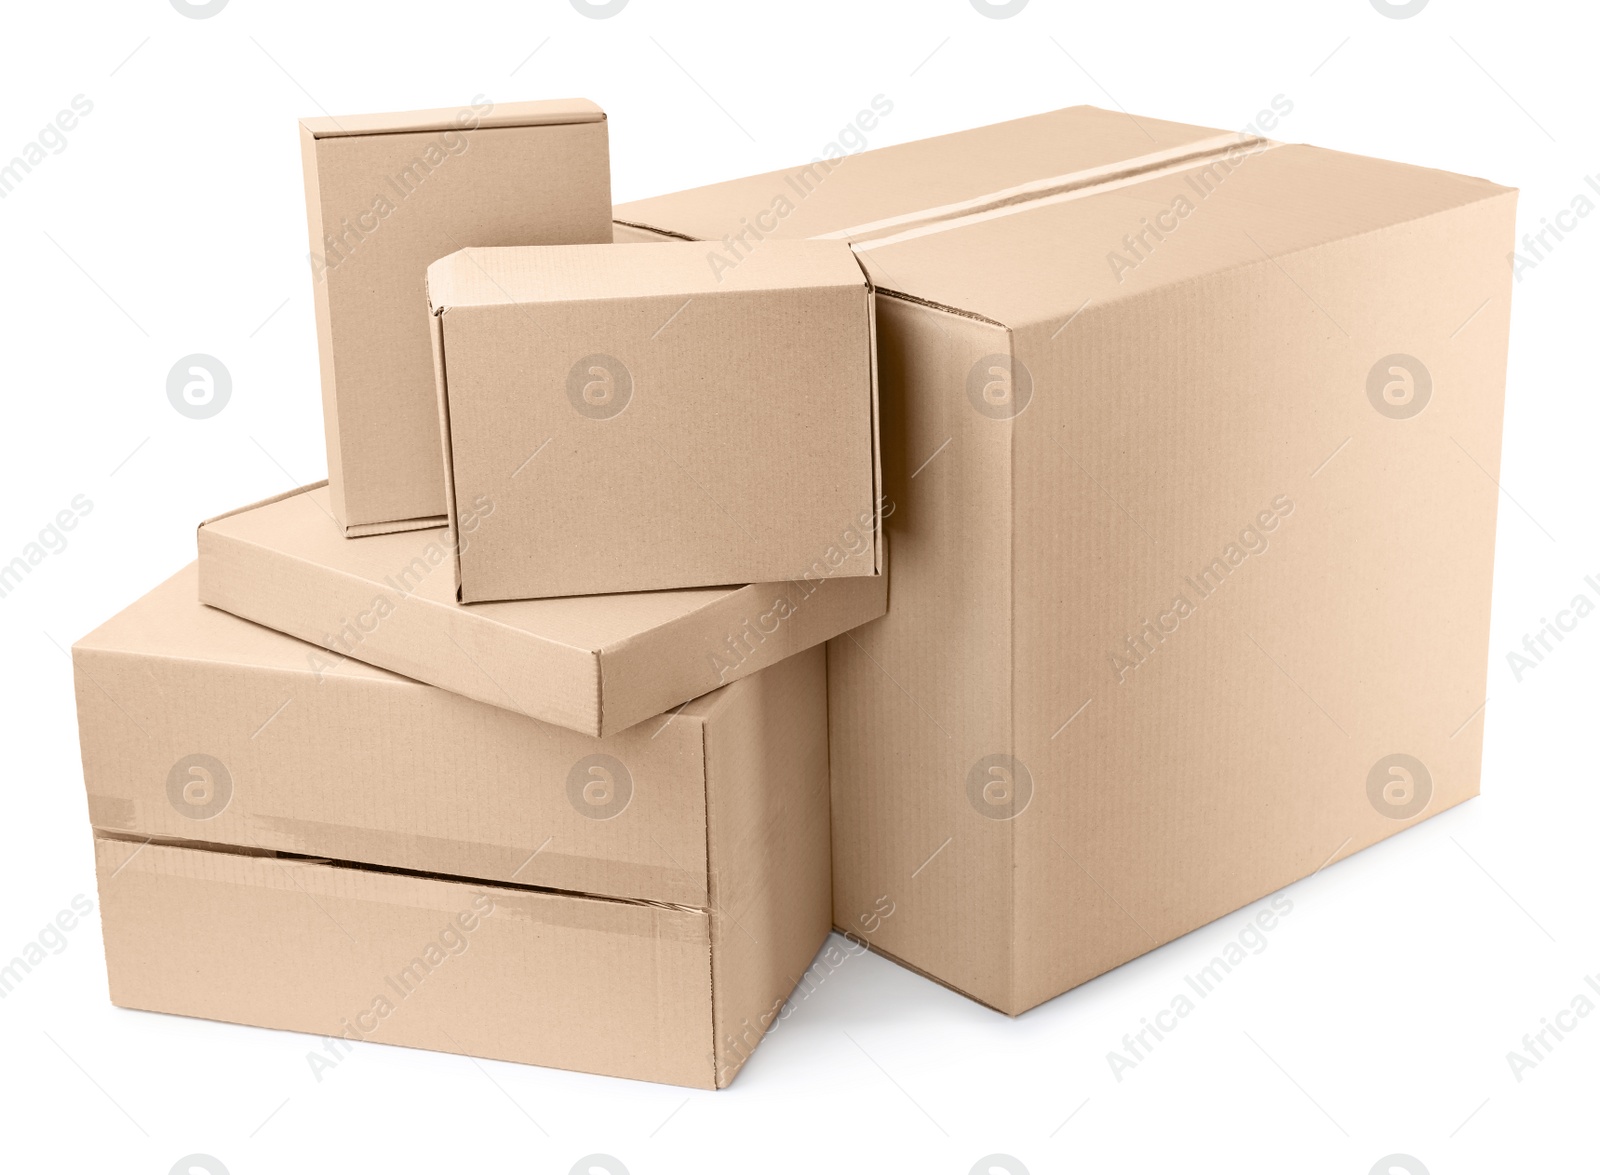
x=1044 y=192
x=583 y=873
x=323 y=882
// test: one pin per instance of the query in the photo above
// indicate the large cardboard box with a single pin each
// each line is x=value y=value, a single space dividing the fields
x=286 y=848
x=386 y=195
x=1191 y=440
x=593 y=664
x=644 y=421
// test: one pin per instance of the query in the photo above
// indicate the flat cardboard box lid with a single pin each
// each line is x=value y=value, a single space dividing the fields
x=594 y=664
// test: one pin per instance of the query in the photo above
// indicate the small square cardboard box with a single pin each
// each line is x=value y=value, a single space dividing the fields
x=594 y=664
x=387 y=194
x=348 y=853
x=1193 y=458
x=645 y=419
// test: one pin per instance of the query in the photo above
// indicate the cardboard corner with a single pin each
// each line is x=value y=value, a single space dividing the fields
x=305 y=489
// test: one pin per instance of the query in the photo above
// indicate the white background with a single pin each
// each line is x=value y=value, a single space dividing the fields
x=1379 y=1018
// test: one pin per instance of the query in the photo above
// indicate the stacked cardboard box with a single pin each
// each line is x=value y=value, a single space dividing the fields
x=1188 y=443
x=340 y=850
x=582 y=830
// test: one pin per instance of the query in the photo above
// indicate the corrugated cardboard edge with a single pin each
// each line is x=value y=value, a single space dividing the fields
x=875 y=438
x=856 y=938
x=555 y=112
x=643 y=234
x=360 y=530
x=441 y=384
x=298 y=490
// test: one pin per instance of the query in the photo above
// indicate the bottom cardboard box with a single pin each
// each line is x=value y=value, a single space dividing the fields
x=353 y=953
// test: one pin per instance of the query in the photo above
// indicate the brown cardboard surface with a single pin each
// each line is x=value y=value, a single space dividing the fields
x=388 y=194
x=552 y=112
x=771 y=874
x=352 y=955
x=644 y=420
x=1280 y=408
x=256 y=808
x=359 y=764
x=594 y=664
x=899 y=184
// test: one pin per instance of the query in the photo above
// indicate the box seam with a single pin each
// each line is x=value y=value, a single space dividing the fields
x=713 y=931
x=231 y=850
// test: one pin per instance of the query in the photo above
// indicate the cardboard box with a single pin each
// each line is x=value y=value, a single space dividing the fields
x=387 y=194
x=356 y=763
x=283 y=848
x=1191 y=441
x=594 y=664
x=646 y=421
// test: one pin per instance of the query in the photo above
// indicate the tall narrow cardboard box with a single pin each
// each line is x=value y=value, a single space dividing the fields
x=387 y=195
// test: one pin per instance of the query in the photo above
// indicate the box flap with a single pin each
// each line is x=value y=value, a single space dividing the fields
x=602 y=273
x=1044 y=259
x=836 y=194
x=554 y=112
x=1031 y=220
